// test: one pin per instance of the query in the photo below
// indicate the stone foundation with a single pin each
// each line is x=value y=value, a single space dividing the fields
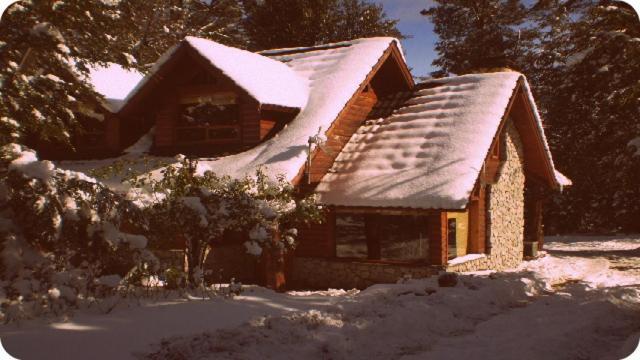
x=319 y=273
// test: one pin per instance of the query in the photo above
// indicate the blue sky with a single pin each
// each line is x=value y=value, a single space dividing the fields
x=419 y=49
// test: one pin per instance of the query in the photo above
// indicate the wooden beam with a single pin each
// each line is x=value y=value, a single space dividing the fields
x=438 y=245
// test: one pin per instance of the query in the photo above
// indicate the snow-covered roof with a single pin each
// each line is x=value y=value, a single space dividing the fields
x=333 y=73
x=429 y=153
x=268 y=81
x=114 y=83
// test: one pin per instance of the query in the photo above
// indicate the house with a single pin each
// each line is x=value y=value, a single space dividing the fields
x=448 y=174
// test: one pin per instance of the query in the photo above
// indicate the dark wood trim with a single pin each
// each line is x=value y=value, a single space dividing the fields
x=438 y=244
x=297 y=180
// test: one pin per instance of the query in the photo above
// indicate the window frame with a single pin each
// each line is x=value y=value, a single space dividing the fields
x=374 y=244
x=214 y=98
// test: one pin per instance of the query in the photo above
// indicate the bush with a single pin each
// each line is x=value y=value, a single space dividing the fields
x=62 y=237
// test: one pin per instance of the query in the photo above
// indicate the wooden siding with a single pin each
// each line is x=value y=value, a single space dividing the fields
x=266 y=126
x=164 y=126
x=250 y=120
x=318 y=239
x=340 y=133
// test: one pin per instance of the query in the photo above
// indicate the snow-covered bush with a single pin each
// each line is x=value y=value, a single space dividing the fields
x=62 y=236
x=197 y=209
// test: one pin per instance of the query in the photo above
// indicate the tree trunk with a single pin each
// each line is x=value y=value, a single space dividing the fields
x=196 y=254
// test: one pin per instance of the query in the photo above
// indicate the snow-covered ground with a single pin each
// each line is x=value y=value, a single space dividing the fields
x=580 y=301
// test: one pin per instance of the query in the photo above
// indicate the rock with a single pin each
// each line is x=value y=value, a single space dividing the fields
x=448 y=279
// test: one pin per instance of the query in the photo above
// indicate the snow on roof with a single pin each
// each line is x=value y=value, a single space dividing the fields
x=427 y=154
x=114 y=83
x=333 y=74
x=266 y=80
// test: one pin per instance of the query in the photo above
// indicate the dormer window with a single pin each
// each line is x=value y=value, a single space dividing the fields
x=213 y=118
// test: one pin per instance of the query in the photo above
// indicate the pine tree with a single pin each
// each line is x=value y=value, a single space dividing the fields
x=480 y=34
x=44 y=47
x=157 y=25
x=593 y=65
x=287 y=23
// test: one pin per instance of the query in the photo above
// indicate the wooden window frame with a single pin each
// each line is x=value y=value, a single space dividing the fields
x=215 y=98
x=375 y=257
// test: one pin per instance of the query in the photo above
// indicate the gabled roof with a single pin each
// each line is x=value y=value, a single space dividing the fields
x=268 y=81
x=114 y=83
x=429 y=153
x=334 y=73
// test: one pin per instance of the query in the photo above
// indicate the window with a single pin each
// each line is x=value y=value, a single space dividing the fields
x=212 y=118
x=452 y=238
x=208 y=114
x=351 y=240
x=381 y=237
x=457 y=233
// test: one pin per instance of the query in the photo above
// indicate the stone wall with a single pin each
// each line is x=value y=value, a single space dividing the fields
x=319 y=273
x=505 y=210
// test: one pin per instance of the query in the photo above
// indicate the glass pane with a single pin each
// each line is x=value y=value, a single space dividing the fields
x=350 y=236
x=403 y=238
x=451 y=231
x=193 y=134
x=209 y=114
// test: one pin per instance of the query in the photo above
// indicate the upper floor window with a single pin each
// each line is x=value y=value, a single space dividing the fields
x=210 y=118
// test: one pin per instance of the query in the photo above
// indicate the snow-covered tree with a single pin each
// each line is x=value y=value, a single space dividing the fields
x=154 y=26
x=44 y=49
x=199 y=208
x=285 y=23
x=62 y=236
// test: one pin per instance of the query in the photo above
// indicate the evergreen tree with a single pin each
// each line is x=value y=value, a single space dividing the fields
x=477 y=34
x=156 y=25
x=590 y=94
x=287 y=23
x=44 y=47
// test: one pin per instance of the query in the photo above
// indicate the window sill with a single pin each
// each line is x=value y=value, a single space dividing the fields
x=465 y=258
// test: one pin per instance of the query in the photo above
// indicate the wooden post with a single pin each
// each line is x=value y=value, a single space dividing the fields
x=372 y=234
x=438 y=246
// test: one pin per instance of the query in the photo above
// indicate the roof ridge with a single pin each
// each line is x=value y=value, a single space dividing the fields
x=326 y=46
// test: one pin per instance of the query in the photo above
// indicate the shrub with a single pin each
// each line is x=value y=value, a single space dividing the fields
x=63 y=239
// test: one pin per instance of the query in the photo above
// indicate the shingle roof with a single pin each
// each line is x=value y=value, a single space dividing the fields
x=333 y=72
x=429 y=152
